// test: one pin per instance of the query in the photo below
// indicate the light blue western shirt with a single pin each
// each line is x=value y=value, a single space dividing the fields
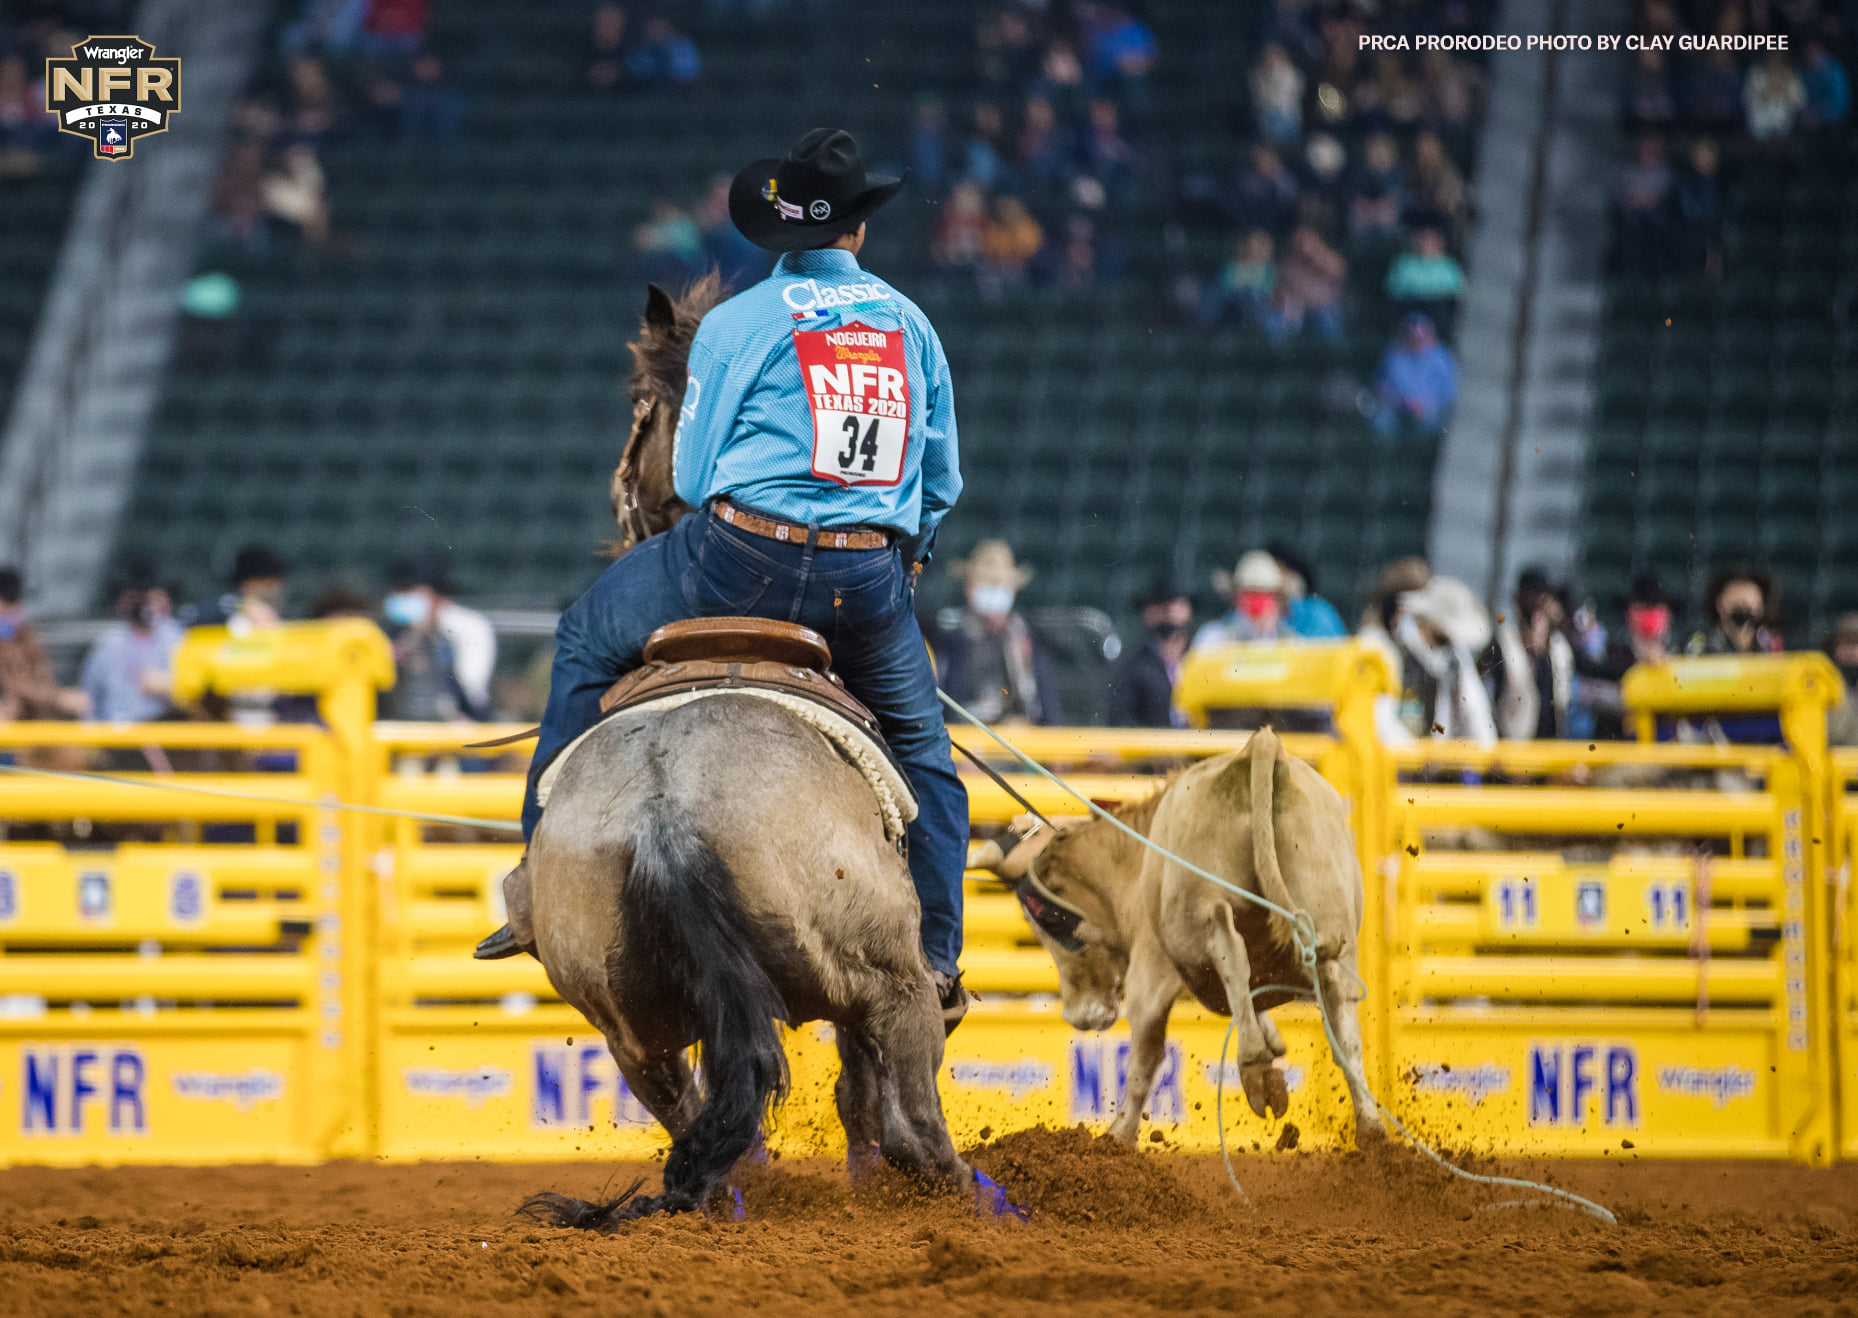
x=747 y=429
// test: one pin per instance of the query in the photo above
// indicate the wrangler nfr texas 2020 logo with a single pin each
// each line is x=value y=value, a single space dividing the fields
x=113 y=91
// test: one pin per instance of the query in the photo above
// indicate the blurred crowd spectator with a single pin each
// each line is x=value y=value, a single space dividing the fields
x=1349 y=207
x=127 y=675
x=28 y=689
x=991 y=661
x=1050 y=159
x=354 y=70
x=1417 y=383
x=1680 y=106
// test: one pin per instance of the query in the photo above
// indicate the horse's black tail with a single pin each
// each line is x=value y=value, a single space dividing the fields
x=689 y=950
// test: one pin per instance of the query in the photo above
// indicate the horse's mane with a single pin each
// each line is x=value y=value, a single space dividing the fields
x=661 y=354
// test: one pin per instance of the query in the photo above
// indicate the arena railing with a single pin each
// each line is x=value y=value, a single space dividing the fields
x=1675 y=1033
x=184 y=951
x=1843 y=939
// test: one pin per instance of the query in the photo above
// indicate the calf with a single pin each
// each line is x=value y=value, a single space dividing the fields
x=1123 y=922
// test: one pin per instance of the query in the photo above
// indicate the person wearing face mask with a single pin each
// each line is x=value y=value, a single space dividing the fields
x=1737 y=608
x=126 y=675
x=443 y=671
x=1647 y=640
x=991 y=662
x=1256 y=587
x=1142 y=683
x=431 y=621
x=1439 y=630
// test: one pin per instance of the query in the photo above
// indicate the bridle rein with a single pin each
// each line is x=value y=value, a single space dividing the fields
x=632 y=516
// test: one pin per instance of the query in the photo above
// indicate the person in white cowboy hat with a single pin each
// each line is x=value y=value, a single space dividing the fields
x=1441 y=629
x=1258 y=615
x=991 y=661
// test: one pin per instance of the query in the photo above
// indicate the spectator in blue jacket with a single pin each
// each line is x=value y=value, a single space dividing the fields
x=1310 y=615
x=1417 y=383
x=664 y=56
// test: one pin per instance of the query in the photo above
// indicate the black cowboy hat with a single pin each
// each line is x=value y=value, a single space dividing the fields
x=1161 y=590
x=257 y=563
x=433 y=570
x=1647 y=591
x=818 y=192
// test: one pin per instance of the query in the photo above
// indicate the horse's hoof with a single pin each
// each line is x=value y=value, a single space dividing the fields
x=498 y=946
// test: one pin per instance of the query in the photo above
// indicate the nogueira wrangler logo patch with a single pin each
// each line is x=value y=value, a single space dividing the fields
x=112 y=91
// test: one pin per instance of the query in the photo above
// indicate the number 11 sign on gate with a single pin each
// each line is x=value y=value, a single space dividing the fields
x=860 y=395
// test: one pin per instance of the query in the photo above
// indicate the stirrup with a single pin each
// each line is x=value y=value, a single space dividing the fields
x=498 y=946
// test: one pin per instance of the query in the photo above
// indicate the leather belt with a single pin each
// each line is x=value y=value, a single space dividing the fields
x=792 y=533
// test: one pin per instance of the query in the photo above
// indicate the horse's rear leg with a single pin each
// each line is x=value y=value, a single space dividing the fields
x=907 y=1034
x=860 y=1097
x=663 y=1082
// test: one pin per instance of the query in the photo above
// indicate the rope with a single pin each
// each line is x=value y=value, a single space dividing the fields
x=501 y=825
x=1303 y=935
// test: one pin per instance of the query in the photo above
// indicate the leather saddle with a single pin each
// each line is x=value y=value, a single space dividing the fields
x=707 y=653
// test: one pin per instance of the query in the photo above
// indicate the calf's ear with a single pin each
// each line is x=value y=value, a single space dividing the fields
x=1019 y=859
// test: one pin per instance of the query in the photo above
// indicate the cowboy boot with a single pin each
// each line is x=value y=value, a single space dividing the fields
x=519 y=934
x=953 y=997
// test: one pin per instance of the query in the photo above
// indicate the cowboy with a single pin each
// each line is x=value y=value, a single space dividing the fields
x=1259 y=605
x=990 y=661
x=817 y=445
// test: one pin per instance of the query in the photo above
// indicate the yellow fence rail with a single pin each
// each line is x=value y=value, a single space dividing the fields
x=1569 y=948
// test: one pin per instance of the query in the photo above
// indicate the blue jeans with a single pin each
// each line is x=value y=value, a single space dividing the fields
x=859 y=600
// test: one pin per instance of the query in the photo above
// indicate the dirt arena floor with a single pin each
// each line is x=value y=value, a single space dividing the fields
x=1111 y=1232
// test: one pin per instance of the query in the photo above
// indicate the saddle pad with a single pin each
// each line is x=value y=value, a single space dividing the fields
x=894 y=797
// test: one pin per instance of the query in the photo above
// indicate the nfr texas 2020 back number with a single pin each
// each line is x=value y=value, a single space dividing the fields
x=859 y=392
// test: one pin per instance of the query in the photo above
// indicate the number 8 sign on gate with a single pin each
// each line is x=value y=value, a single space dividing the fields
x=860 y=395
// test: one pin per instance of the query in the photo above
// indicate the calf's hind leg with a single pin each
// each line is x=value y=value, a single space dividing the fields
x=1265 y=1088
x=1335 y=980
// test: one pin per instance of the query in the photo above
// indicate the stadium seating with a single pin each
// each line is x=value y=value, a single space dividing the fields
x=1724 y=422
x=32 y=222
x=450 y=372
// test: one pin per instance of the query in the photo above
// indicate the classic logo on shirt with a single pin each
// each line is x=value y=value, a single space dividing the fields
x=112 y=91
x=806 y=294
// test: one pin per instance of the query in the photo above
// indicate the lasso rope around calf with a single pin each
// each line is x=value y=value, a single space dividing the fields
x=1303 y=937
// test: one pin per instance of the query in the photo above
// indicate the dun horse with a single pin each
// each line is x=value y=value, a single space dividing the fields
x=707 y=870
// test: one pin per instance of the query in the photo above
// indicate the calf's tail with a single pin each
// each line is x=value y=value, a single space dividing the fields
x=1265 y=750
